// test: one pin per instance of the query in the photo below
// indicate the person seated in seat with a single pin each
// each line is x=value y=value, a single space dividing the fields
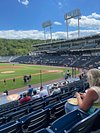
x=56 y=90
x=25 y=98
x=35 y=95
x=92 y=95
x=43 y=92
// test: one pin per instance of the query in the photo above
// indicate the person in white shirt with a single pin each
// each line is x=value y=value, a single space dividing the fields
x=43 y=92
x=35 y=95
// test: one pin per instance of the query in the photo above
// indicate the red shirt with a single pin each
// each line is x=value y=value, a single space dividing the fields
x=25 y=99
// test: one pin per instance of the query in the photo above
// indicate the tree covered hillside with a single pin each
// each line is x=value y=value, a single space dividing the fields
x=17 y=47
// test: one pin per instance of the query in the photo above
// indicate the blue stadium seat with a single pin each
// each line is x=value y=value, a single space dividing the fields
x=67 y=121
x=57 y=111
x=51 y=100
x=16 y=115
x=96 y=124
x=45 y=130
x=36 y=121
x=84 y=126
x=37 y=106
x=11 y=127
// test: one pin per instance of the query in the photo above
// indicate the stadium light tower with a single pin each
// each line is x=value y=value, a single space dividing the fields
x=73 y=14
x=45 y=25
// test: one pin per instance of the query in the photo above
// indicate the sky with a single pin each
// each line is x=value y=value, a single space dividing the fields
x=24 y=18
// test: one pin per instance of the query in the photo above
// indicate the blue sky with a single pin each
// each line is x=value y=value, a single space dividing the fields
x=23 y=18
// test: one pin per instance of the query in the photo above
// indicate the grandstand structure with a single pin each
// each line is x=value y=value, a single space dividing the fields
x=82 y=52
x=86 y=44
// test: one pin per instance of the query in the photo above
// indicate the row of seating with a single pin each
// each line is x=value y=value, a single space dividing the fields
x=35 y=120
x=61 y=60
x=67 y=88
x=76 y=121
x=39 y=103
x=16 y=113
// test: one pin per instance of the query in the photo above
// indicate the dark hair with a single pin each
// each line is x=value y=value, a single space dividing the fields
x=34 y=92
x=24 y=94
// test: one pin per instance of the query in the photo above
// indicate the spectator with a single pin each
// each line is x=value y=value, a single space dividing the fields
x=56 y=91
x=35 y=95
x=43 y=92
x=92 y=95
x=25 y=98
x=21 y=96
x=30 y=90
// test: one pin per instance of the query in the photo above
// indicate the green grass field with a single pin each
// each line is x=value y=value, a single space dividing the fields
x=17 y=71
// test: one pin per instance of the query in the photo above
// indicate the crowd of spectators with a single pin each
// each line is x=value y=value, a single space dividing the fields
x=33 y=93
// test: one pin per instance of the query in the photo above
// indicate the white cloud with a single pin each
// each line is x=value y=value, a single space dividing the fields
x=24 y=2
x=94 y=15
x=13 y=34
x=57 y=23
x=90 y=24
x=60 y=4
x=35 y=34
x=87 y=21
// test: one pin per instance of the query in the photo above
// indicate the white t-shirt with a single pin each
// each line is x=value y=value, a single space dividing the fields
x=43 y=93
x=35 y=96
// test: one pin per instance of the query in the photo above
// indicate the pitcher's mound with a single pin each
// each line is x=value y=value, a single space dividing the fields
x=8 y=72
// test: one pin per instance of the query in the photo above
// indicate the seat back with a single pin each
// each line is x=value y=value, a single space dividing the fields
x=57 y=110
x=85 y=125
x=37 y=106
x=16 y=115
x=11 y=127
x=51 y=100
x=36 y=122
x=67 y=121
x=44 y=130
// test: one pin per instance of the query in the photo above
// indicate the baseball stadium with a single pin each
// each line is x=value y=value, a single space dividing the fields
x=51 y=85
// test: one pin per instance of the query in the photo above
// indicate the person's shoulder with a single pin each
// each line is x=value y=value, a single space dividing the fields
x=92 y=93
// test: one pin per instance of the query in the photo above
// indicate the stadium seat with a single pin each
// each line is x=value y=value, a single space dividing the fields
x=11 y=127
x=57 y=111
x=96 y=124
x=44 y=130
x=36 y=121
x=65 y=96
x=84 y=126
x=37 y=106
x=51 y=100
x=16 y=115
x=67 y=121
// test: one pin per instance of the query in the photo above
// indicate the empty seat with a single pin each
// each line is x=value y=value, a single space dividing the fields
x=85 y=125
x=36 y=121
x=11 y=127
x=57 y=111
x=67 y=121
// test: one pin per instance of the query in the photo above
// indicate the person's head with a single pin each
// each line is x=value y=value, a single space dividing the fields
x=93 y=76
x=34 y=92
x=24 y=94
x=41 y=88
x=29 y=86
